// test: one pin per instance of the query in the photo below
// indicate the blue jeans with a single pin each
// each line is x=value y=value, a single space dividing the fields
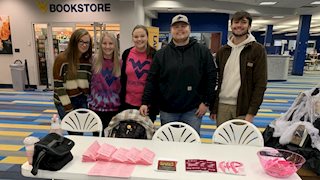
x=189 y=118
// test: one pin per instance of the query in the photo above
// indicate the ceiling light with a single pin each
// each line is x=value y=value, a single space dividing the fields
x=317 y=29
x=290 y=34
x=292 y=23
x=279 y=32
x=278 y=17
x=281 y=26
x=170 y=9
x=213 y=10
x=261 y=21
x=315 y=2
x=267 y=3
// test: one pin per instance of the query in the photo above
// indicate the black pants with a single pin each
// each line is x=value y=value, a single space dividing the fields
x=152 y=114
x=105 y=119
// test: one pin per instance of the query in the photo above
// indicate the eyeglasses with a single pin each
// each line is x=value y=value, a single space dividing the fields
x=84 y=43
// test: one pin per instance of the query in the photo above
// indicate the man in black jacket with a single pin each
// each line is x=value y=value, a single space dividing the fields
x=183 y=77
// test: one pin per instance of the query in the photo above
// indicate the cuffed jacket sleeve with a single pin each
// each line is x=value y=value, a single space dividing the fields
x=259 y=81
x=214 y=105
x=152 y=84
x=210 y=76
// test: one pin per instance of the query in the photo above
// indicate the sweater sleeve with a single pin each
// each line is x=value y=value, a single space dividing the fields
x=60 y=92
x=260 y=82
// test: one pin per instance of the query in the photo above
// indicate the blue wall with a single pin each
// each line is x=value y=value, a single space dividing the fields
x=258 y=36
x=200 y=22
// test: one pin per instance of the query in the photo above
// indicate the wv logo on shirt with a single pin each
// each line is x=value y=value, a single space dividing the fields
x=138 y=67
x=108 y=76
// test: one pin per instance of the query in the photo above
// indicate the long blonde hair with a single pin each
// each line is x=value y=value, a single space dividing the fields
x=98 y=59
x=72 y=52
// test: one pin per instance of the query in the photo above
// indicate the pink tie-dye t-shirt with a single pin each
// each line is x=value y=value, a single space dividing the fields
x=105 y=89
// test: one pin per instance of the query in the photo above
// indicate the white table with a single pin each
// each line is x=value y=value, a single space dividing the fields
x=168 y=150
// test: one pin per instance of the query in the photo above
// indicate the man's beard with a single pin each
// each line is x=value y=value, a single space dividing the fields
x=181 y=40
x=240 y=35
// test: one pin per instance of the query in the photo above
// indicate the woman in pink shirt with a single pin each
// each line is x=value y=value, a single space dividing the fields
x=137 y=61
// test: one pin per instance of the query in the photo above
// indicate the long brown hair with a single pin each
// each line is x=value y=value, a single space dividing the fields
x=150 y=50
x=72 y=52
x=98 y=59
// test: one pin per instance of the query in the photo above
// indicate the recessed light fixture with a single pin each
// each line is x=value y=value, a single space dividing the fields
x=268 y=3
x=278 y=17
x=170 y=9
x=315 y=2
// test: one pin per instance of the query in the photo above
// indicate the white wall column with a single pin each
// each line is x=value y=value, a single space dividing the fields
x=147 y=21
x=139 y=12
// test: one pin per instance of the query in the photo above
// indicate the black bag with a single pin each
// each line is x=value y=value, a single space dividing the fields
x=52 y=153
x=129 y=129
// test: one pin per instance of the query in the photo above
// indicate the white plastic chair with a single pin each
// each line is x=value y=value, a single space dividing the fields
x=178 y=132
x=82 y=120
x=238 y=131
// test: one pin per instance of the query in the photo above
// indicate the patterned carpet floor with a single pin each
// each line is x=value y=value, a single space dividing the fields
x=25 y=114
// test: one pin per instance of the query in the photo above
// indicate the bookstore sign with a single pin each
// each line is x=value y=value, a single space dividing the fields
x=44 y=6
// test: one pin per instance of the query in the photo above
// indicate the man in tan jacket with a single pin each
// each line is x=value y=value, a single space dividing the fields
x=242 y=73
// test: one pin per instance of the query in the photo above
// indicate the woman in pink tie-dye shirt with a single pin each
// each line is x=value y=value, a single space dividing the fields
x=105 y=83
